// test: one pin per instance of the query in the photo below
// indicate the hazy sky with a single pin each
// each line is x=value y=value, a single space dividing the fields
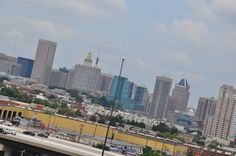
x=194 y=39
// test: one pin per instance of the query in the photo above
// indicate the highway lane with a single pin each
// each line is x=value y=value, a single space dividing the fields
x=57 y=145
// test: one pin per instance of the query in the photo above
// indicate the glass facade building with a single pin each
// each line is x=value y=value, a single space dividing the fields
x=26 y=66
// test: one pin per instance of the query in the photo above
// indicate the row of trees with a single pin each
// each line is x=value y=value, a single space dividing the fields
x=15 y=94
x=116 y=121
x=18 y=95
x=165 y=131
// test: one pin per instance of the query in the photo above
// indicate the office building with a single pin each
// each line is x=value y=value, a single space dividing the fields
x=129 y=95
x=8 y=65
x=119 y=89
x=223 y=121
x=85 y=77
x=58 y=79
x=181 y=92
x=26 y=66
x=206 y=107
x=105 y=84
x=141 y=95
x=170 y=108
x=160 y=95
x=147 y=107
x=207 y=131
x=43 y=61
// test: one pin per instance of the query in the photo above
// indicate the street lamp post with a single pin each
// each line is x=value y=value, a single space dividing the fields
x=113 y=106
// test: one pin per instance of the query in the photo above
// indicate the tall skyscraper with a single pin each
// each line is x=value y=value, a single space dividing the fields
x=26 y=66
x=181 y=92
x=159 y=100
x=43 y=61
x=206 y=107
x=223 y=121
x=85 y=77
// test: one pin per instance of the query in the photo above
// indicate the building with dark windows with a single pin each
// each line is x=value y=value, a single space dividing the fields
x=26 y=66
x=160 y=95
x=105 y=84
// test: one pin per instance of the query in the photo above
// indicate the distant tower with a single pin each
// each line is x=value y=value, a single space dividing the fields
x=88 y=60
x=97 y=60
x=160 y=95
x=85 y=77
x=43 y=61
x=181 y=93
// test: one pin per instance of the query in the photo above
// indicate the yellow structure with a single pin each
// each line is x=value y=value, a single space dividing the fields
x=94 y=129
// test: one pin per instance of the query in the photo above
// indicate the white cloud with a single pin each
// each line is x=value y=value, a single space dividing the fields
x=143 y=64
x=194 y=30
x=160 y=26
x=187 y=75
x=51 y=28
x=176 y=57
x=227 y=7
x=200 y=10
x=99 y=8
x=14 y=34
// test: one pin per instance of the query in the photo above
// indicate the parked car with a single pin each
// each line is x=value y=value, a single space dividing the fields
x=7 y=123
x=2 y=130
x=42 y=135
x=10 y=131
x=29 y=133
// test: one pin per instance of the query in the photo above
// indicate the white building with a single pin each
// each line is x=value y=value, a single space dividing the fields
x=232 y=130
x=9 y=65
x=85 y=77
x=43 y=61
x=224 y=122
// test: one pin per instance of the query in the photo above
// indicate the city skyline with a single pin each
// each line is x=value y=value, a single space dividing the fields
x=142 y=36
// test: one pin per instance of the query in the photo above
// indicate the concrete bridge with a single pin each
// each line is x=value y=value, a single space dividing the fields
x=15 y=145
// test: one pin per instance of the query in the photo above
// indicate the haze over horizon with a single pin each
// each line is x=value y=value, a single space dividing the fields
x=188 y=39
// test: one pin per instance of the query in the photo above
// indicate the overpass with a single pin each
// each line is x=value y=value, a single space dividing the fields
x=20 y=143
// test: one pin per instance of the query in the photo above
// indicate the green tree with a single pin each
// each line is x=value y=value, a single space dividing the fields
x=78 y=113
x=75 y=94
x=93 y=118
x=147 y=151
x=2 y=79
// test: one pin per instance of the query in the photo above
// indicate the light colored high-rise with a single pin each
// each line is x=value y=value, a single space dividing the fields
x=8 y=65
x=160 y=95
x=85 y=77
x=181 y=93
x=43 y=61
x=207 y=131
x=225 y=108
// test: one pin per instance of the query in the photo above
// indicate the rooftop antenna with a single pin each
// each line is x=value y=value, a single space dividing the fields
x=97 y=59
x=14 y=47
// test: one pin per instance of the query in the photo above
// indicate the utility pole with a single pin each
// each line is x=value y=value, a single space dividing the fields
x=113 y=106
